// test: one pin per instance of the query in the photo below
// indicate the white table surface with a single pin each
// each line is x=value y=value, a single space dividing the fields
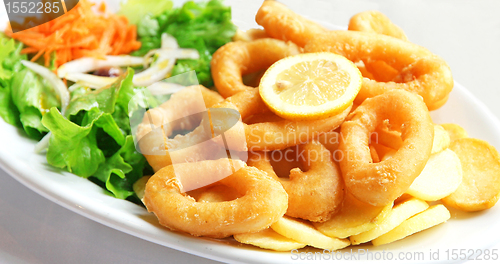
x=465 y=33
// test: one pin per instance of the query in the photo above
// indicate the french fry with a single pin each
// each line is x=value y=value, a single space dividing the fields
x=353 y=218
x=399 y=213
x=433 y=216
x=304 y=232
x=269 y=239
x=480 y=187
x=441 y=177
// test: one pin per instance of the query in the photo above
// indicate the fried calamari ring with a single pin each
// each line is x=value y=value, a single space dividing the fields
x=420 y=71
x=235 y=59
x=376 y=22
x=278 y=134
x=380 y=183
x=162 y=121
x=282 y=23
x=314 y=194
x=380 y=70
x=263 y=203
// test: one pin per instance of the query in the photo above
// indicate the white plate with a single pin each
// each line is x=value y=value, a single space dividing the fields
x=463 y=231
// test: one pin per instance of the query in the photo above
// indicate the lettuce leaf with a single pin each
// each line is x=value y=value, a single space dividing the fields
x=24 y=96
x=32 y=96
x=72 y=146
x=149 y=26
x=10 y=57
x=122 y=170
x=6 y=48
x=134 y=10
x=104 y=99
x=8 y=110
x=201 y=26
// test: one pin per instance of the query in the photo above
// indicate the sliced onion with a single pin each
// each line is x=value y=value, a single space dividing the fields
x=155 y=73
x=53 y=80
x=168 y=42
x=162 y=88
x=89 y=80
x=159 y=70
x=148 y=57
x=163 y=66
x=88 y=64
x=167 y=55
x=179 y=53
x=172 y=53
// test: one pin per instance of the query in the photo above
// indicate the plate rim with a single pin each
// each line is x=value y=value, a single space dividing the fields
x=12 y=168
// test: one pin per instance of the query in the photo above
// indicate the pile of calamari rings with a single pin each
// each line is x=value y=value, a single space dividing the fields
x=402 y=83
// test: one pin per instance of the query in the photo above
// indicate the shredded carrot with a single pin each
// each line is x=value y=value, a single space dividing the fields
x=81 y=32
x=40 y=53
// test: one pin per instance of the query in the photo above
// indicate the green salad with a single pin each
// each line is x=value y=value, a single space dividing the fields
x=201 y=26
x=91 y=136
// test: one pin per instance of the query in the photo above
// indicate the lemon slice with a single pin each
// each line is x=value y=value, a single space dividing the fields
x=310 y=86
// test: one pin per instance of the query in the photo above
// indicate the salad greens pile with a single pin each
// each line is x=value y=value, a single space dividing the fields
x=9 y=64
x=24 y=96
x=201 y=26
x=93 y=138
